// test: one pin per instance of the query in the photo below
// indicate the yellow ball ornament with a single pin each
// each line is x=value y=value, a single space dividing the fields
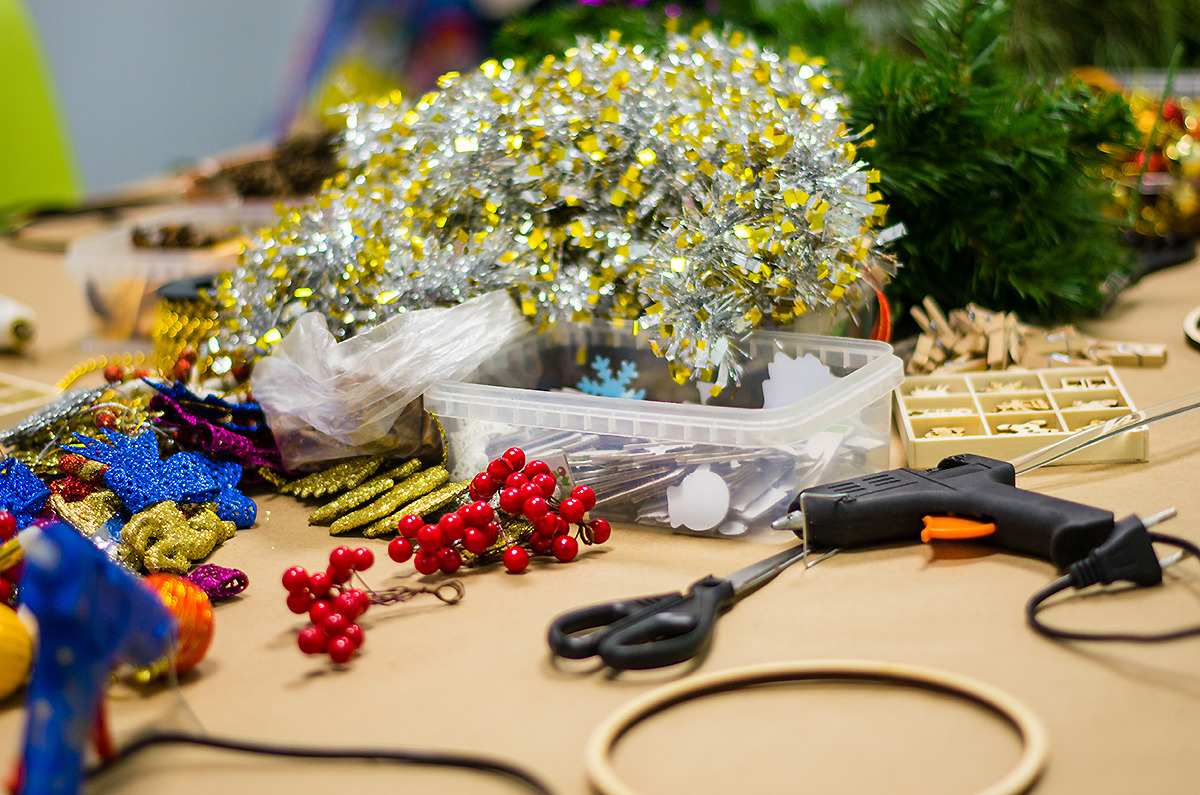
x=16 y=652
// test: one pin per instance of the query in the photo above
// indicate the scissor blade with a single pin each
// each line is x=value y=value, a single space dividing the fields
x=757 y=574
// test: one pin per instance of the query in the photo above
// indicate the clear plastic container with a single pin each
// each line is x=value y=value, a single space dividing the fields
x=724 y=467
x=120 y=278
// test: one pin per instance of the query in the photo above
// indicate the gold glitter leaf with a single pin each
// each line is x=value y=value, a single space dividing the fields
x=406 y=491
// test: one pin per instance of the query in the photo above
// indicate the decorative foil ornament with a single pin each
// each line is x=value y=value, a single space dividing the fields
x=702 y=192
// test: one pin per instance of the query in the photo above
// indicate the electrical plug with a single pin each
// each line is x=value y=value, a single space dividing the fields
x=1127 y=555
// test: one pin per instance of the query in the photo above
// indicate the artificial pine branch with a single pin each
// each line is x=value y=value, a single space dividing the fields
x=994 y=175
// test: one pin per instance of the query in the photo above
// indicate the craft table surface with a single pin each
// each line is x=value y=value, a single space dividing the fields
x=477 y=676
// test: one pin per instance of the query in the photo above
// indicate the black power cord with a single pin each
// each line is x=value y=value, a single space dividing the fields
x=403 y=756
x=1127 y=555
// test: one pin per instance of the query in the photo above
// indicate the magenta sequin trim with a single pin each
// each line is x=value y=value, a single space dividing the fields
x=217 y=581
x=194 y=432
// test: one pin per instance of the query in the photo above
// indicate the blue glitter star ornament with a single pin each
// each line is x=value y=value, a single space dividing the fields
x=140 y=478
x=21 y=493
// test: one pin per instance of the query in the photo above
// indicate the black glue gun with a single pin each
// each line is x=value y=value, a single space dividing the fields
x=964 y=496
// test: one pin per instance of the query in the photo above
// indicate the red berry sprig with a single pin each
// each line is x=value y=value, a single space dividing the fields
x=333 y=607
x=513 y=514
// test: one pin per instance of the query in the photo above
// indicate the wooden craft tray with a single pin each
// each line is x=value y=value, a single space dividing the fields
x=19 y=396
x=986 y=405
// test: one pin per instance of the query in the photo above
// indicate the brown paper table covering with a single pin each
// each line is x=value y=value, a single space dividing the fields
x=477 y=676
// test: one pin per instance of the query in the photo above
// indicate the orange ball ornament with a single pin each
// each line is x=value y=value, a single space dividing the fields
x=193 y=610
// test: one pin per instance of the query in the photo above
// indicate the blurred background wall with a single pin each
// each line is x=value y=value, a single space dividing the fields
x=147 y=85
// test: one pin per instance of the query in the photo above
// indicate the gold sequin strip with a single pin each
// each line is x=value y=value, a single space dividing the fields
x=99 y=363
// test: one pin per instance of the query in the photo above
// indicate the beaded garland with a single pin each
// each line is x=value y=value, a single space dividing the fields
x=702 y=191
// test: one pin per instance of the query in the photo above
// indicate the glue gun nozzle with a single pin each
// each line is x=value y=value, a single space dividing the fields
x=793 y=520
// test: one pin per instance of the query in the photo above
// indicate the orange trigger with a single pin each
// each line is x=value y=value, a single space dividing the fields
x=954 y=527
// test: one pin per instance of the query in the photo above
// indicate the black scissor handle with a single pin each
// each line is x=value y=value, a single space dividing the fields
x=576 y=634
x=668 y=632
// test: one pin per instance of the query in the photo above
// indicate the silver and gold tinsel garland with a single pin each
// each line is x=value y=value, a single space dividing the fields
x=702 y=192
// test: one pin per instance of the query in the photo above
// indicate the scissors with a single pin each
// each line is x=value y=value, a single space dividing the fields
x=665 y=629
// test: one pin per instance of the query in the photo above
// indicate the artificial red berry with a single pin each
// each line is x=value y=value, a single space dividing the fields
x=546 y=483
x=339 y=576
x=429 y=537
x=319 y=583
x=299 y=602
x=565 y=548
x=181 y=370
x=142 y=372
x=478 y=514
x=347 y=604
x=354 y=633
x=571 y=509
x=342 y=559
x=601 y=530
x=333 y=623
x=427 y=561
x=449 y=560
x=452 y=525
x=341 y=649
x=106 y=419
x=515 y=481
x=585 y=495
x=545 y=525
x=537 y=467
x=294 y=579
x=114 y=373
x=528 y=492
x=363 y=559
x=364 y=601
x=498 y=469
x=400 y=549
x=535 y=508
x=516 y=559
x=541 y=544
x=515 y=457
x=482 y=487
x=312 y=640
x=510 y=500
x=319 y=609
x=409 y=525
x=491 y=531
x=563 y=528
x=475 y=541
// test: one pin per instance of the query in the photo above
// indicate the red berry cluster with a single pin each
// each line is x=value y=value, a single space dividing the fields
x=12 y=575
x=332 y=607
x=513 y=512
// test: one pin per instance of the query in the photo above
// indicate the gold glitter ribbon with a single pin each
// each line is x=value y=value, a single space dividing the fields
x=404 y=492
x=163 y=538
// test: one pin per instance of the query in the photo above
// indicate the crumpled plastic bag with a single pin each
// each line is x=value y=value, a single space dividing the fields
x=325 y=399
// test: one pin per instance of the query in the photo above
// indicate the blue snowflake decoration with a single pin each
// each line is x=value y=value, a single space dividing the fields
x=611 y=384
x=21 y=493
